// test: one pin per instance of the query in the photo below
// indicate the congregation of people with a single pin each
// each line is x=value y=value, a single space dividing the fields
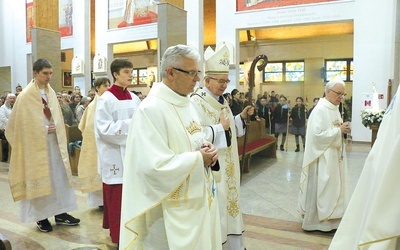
x=179 y=185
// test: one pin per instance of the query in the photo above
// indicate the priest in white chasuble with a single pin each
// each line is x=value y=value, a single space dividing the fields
x=372 y=218
x=168 y=199
x=222 y=129
x=324 y=192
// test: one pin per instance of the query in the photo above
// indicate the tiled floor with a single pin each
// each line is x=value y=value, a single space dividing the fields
x=268 y=198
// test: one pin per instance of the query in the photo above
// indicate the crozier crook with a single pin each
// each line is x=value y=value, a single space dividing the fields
x=260 y=67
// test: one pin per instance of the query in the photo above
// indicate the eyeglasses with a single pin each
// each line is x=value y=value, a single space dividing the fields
x=192 y=73
x=338 y=93
x=220 y=81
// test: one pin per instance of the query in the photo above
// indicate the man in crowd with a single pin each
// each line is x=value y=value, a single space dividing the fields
x=113 y=115
x=40 y=174
x=323 y=185
x=18 y=89
x=169 y=194
x=5 y=112
x=222 y=129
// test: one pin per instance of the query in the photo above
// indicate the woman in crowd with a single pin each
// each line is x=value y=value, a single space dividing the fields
x=81 y=108
x=298 y=116
x=280 y=116
x=68 y=114
x=236 y=105
x=75 y=100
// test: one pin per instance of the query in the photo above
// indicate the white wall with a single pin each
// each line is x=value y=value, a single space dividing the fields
x=106 y=38
x=13 y=49
x=373 y=39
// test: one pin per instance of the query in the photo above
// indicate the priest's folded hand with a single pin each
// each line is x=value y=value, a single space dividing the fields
x=209 y=154
x=345 y=128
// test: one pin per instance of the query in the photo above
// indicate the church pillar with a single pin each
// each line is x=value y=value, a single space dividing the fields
x=170 y=29
x=46 y=38
x=226 y=32
x=195 y=28
x=82 y=43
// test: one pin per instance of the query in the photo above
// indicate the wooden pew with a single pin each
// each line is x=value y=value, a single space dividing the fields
x=73 y=134
x=258 y=142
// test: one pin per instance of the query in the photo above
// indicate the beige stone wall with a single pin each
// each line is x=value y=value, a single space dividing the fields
x=46 y=44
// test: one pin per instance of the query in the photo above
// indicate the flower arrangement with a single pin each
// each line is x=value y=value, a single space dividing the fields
x=369 y=116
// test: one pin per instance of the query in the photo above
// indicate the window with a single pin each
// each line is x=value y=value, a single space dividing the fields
x=284 y=72
x=139 y=76
x=342 y=67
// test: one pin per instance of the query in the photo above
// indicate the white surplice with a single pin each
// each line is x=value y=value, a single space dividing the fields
x=372 y=218
x=323 y=183
x=228 y=188
x=112 y=120
x=168 y=194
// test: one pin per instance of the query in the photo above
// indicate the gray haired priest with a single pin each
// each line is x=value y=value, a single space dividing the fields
x=222 y=129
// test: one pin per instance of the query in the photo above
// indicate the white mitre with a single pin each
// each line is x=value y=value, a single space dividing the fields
x=217 y=62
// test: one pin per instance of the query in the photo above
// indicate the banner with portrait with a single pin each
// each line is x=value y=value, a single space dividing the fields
x=245 y=5
x=65 y=23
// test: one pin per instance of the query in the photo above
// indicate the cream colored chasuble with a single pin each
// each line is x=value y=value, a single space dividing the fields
x=371 y=220
x=29 y=171
x=167 y=193
x=89 y=177
x=324 y=160
x=228 y=188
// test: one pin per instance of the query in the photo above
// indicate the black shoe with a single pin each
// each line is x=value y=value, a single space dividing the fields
x=282 y=149
x=66 y=219
x=297 y=148
x=44 y=225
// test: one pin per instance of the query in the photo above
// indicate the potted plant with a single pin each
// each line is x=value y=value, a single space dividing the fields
x=372 y=118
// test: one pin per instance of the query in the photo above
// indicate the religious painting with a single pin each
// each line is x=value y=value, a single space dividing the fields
x=99 y=64
x=67 y=79
x=128 y=13
x=29 y=20
x=77 y=66
x=65 y=11
x=244 y=5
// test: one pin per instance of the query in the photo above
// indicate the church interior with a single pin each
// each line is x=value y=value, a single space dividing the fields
x=81 y=38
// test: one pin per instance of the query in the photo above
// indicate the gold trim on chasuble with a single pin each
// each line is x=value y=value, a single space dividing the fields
x=208 y=112
x=174 y=199
x=337 y=124
x=233 y=202
x=23 y=187
x=340 y=158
